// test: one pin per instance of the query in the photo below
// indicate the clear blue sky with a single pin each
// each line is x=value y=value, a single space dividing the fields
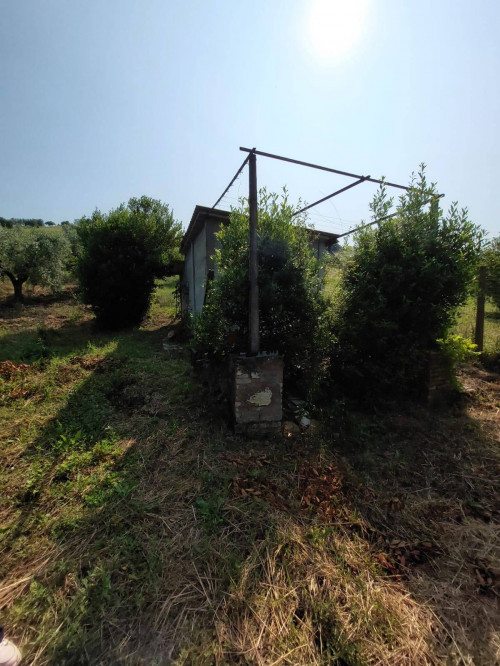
x=102 y=100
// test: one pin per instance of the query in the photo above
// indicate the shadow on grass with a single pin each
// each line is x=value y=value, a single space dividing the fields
x=42 y=343
x=35 y=297
x=147 y=515
x=97 y=493
x=435 y=511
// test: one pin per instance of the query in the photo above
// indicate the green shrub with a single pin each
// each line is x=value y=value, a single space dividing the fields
x=294 y=315
x=122 y=253
x=400 y=291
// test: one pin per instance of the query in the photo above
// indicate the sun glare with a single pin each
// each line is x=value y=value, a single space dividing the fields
x=335 y=27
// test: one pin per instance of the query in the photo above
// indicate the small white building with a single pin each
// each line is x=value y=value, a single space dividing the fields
x=198 y=247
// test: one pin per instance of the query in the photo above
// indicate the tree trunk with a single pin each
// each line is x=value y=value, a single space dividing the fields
x=17 y=283
x=18 y=288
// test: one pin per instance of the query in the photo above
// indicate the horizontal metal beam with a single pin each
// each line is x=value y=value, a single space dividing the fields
x=322 y=168
x=348 y=187
x=381 y=219
x=369 y=224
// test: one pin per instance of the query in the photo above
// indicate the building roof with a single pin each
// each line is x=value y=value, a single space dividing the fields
x=200 y=216
x=326 y=236
x=202 y=213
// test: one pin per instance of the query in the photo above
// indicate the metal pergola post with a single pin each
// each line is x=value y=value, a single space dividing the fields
x=253 y=308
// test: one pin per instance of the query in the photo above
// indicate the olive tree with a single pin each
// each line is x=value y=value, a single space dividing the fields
x=35 y=254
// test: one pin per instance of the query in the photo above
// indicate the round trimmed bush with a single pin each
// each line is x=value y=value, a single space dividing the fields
x=122 y=254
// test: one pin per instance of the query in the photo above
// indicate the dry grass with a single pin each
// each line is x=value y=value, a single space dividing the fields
x=157 y=537
x=315 y=598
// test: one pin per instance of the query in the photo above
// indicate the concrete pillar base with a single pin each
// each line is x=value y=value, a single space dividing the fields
x=256 y=393
x=440 y=388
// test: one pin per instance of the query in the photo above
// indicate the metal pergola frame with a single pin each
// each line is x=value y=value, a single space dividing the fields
x=251 y=159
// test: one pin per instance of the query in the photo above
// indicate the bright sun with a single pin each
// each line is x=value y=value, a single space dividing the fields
x=335 y=27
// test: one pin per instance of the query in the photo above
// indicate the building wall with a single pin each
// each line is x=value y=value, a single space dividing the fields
x=212 y=227
x=319 y=247
x=200 y=270
x=188 y=281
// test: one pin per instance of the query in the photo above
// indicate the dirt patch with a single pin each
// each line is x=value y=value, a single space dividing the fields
x=9 y=370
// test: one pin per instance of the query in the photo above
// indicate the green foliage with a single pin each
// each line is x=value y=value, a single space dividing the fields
x=491 y=259
x=22 y=222
x=37 y=255
x=400 y=291
x=122 y=253
x=458 y=349
x=294 y=319
x=455 y=350
x=71 y=234
x=210 y=511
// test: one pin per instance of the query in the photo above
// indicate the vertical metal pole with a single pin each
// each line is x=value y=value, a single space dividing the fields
x=253 y=307
x=481 y=290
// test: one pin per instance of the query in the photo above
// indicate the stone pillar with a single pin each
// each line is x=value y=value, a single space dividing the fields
x=440 y=385
x=256 y=396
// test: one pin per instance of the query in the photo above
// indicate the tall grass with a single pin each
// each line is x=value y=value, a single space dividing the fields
x=466 y=324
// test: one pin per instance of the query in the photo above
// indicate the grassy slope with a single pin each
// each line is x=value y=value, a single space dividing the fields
x=134 y=528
